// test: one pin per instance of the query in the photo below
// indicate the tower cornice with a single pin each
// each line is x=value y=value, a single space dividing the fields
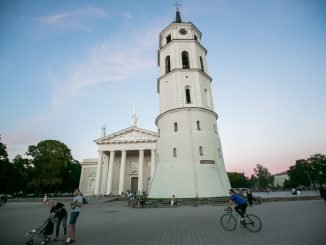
x=186 y=109
x=183 y=40
x=181 y=24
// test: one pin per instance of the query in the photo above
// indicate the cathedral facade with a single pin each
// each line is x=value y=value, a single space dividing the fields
x=184 y=158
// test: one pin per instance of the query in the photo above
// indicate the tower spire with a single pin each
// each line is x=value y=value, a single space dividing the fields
x=177 y=14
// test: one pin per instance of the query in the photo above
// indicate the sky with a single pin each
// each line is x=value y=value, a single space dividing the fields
x=69 y=67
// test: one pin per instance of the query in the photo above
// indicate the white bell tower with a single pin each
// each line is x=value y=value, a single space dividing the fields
x=189 y=160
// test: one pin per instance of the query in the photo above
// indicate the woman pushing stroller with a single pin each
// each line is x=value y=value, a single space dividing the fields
x=60 y=215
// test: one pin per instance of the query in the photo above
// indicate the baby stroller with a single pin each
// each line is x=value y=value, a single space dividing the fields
x=42 y=232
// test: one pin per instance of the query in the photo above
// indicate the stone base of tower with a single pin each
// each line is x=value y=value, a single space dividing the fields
x=184 y=183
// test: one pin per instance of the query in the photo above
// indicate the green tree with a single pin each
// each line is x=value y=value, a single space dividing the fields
x=238 y=180
x=318 y=168
x=5 y=170
x=264 y=177
x=51 y=159
x=21 y=168
x=298 y=174
x=253 y=181
x=308 y=172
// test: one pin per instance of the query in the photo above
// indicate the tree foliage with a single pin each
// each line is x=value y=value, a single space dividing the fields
x=238 y=180
x=308 y=172
x=5 y=169
x=48 y=168
x=52 y=161
x=263 y=177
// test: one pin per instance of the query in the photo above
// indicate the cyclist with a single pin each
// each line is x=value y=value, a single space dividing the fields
x=239 y=201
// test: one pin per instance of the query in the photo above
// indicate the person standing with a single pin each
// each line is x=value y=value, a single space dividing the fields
x=76 y=204
x=4 y=200
x=172 y=201
x=249 y=197
x=61 y=213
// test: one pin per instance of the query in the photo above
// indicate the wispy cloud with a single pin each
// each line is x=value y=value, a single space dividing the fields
x=111 y=60
x=73 y=19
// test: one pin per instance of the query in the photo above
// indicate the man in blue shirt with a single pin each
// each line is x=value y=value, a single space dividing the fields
x=239 y=201
x=75 y=205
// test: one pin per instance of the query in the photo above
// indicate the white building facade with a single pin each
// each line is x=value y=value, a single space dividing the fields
x=126 y=162
x=280 y=178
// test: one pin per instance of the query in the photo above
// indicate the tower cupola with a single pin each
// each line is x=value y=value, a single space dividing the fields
x=178 y=16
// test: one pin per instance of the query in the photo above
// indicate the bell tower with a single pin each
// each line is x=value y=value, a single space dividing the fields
x=189 y=160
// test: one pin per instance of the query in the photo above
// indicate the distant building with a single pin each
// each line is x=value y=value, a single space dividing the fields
x=280 y=178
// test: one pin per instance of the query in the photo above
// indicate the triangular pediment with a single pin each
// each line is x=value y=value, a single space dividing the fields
x=131 y=134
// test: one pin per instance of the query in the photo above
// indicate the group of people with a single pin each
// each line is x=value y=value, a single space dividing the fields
x=295 y=191
x=61 y=216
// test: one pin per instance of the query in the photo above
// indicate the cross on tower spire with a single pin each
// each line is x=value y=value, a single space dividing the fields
x=177 y=15
x=177 y=5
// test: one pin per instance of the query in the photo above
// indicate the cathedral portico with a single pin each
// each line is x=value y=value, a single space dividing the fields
x=126 y=161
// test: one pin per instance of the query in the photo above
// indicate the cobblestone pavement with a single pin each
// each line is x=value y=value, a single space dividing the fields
x=296 y=222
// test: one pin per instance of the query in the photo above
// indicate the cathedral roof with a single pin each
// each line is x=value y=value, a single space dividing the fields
x=132 y=134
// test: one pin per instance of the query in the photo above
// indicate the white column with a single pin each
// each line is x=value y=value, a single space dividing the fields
x=110 y=174
x=81 y=179
x=153 y=166
x=141 y=171
x=98 y=173
x=122 y=172
x=105 y=173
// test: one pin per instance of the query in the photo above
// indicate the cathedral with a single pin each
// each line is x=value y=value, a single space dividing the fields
x=184 y=157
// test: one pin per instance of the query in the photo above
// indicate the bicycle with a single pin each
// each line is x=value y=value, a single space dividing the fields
x=251 y=221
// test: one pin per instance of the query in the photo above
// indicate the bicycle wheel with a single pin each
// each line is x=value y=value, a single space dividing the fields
x=253 y=223
x=228 y=222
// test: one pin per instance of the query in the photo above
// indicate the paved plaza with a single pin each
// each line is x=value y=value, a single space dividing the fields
x=293 y=222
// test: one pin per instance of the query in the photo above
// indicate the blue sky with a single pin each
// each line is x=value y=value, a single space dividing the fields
x=69 y=67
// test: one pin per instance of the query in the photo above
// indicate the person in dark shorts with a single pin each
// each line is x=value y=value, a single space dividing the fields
x=239 y=201
x=76 y=204
x=61 y=214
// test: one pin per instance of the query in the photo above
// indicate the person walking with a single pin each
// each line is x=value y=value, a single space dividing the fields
x=61 y=214
x=76 y=204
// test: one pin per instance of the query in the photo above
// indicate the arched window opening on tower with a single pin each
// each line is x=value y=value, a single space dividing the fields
x=219 y=153
x=201 y=153
x=195 y=37
x=201 y=63
x=185 y=60
x=215 y=128
x=188 y=96
x=174 y=152
x=198 y=125
x=167 y=64
x=168 y=39
x=208 y=102
x=175 y=127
